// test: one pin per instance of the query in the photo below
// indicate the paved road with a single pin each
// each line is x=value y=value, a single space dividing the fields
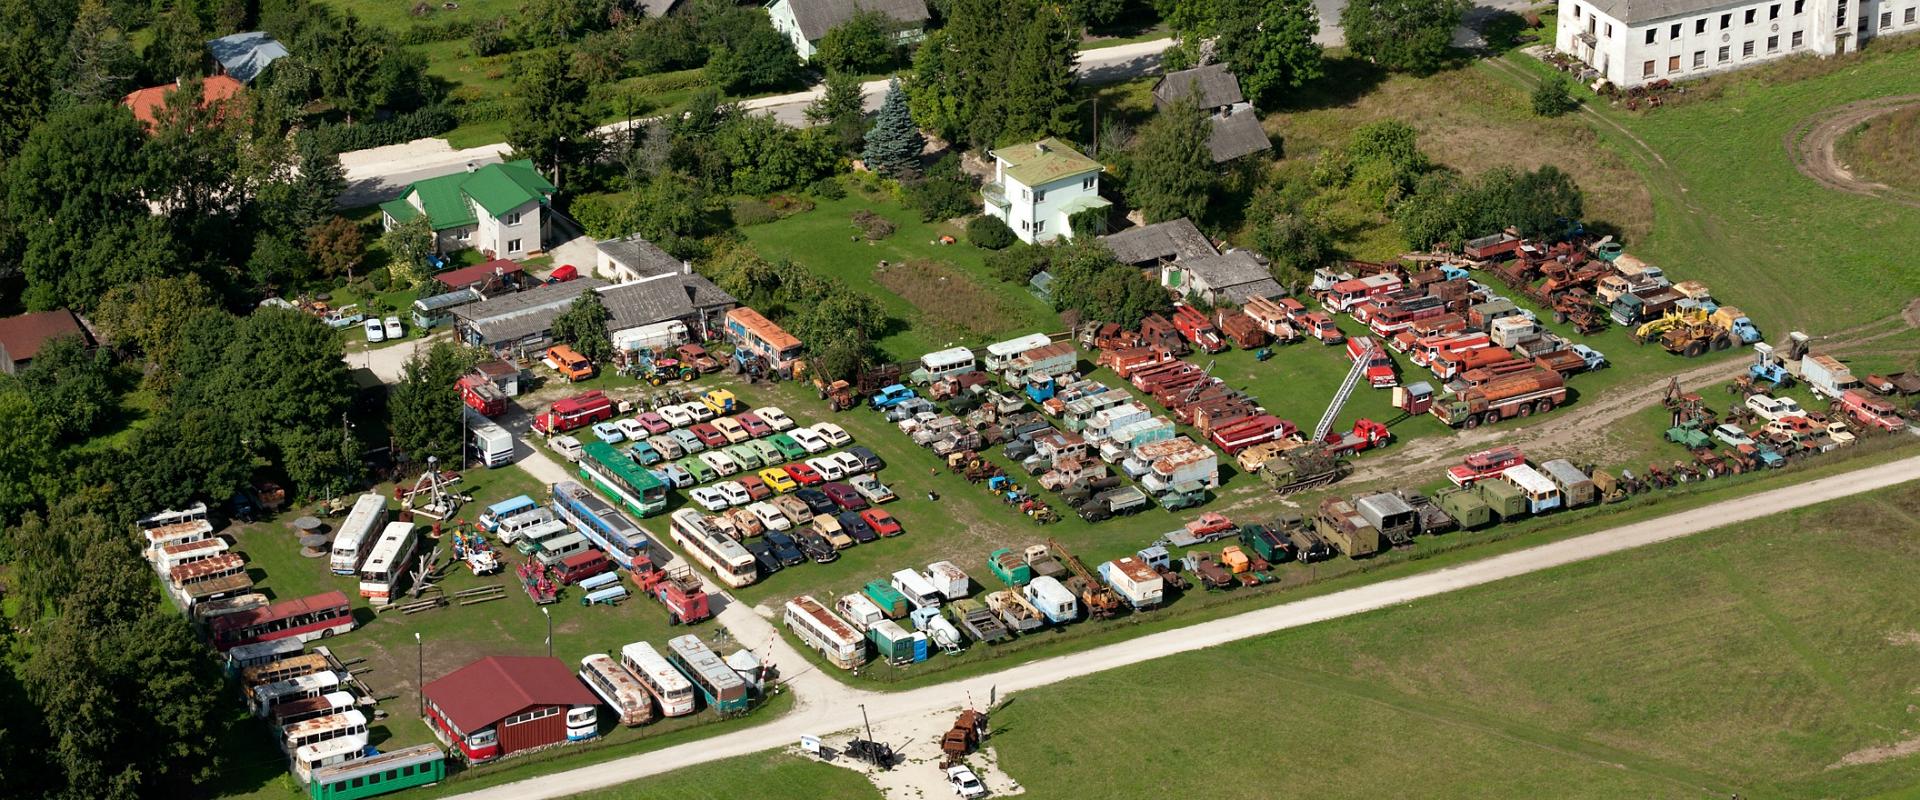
x=378 y=174
x=827 y=706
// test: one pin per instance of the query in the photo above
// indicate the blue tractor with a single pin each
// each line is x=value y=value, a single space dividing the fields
x=1768 y=368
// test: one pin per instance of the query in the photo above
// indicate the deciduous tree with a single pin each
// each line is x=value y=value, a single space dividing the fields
x=584 y=326
x=336 y=246
x=1269 y=44
x=841 y=109
x=863 y=44
x=1403 y=35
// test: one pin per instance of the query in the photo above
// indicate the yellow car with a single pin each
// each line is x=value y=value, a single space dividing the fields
x=777 y=480
x=720 y=401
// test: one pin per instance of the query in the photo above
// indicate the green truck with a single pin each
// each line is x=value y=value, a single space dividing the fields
x=891 y=602
x=1466 y=507
x=1505 y=499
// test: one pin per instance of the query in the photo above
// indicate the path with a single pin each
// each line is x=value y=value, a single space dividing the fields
x=833 y=707
x=1811 y=144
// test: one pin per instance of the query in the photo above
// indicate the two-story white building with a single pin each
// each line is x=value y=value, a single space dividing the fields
x=1633 y=42
x=499 y=209
x=1038 y=186
x=804 y=22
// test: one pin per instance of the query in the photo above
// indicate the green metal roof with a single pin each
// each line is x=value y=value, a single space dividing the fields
x=400 y=210
x=1045 y=161
x=497 y=188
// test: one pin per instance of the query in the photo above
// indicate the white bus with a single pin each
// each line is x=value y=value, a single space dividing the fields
x=305 y=686
x=730 y=562
x=387 y=564
x=669 y=688
x=320 y=729
x=618 y=687
x=843 y=646
x=308 y=758
x=173 y=555
x=1542 y=493
x=357 y=533
x=951 y=361
x=1000 y=354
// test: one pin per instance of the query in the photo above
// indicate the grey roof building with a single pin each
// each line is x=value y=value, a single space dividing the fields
x=525 y=320
x=1153 y=245
x=243 y=56
x=635 y=258
x=1236 y=125
x=1236 y=133
x=804 y=22
x=1232 y=277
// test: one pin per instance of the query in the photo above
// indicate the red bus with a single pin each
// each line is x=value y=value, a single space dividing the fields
x=577 y=411
x=306 y=619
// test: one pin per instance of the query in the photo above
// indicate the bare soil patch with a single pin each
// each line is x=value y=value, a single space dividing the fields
x=1877 y=754
x=946 y=297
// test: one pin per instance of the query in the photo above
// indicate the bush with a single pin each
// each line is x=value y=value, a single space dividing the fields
x=787 y=205
x=828 y=188
x=989 y=233
x=871 y=225
x=430 y=121
x=489 y=37
x=944 y=192
x=1552 y=97
x=753 y=212
x=1017 y=264
x=379 y=279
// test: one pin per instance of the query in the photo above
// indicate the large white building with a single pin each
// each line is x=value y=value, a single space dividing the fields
x=1037 y=187
x=1632 y=42
x=805 y=22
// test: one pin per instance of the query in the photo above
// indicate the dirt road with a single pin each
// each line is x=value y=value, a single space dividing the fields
x=830 y=707
x=1811 y=144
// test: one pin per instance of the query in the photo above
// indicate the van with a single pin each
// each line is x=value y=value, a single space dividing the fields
x=917 y=589
x=558 y=549
x=570 y=364
x=581 y=566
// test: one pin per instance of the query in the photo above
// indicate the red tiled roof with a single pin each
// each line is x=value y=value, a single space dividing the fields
x=24 y=335
x=467 y=276
x=147 y=103
x=489 y=690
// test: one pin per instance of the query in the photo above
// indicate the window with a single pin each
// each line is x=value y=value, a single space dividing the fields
x=1746 y=49
x=1726 y=21
x=1039 y=226
x=513 y=245
x=1750 y=15
x=1023 y=225
x=1609 y=30
x=1725 y=53
x=1699 y=59
x=393 y=774
x=1646 y=70
x=1773 y=44
x=1652 y=34
x=1025 y=193
x=1886 y=19
x=1673 y=63
x=1088 y=183
x=1700 y=25
x=513 y=218
x=340 y=786
x=1799 y=6
x=1576 y=11
x=406 y=770
x=1674 y=32
x=1909 y=17
x=1798 y=39
x=1039 y=195
x=1773 y=11
x=357 y=782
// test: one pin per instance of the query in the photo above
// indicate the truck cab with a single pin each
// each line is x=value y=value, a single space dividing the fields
x=570 y=364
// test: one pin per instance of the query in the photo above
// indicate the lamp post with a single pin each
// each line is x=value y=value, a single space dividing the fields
x=544 y=613
x=420 y=667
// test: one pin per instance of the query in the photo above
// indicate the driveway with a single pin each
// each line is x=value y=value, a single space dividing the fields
x=575 y=247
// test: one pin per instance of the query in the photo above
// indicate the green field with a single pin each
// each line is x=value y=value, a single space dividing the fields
x=764 y=777
x=1775 y=661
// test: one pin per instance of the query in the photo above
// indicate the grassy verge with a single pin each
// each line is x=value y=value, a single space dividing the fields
x=765 y=777
x=1886 y=149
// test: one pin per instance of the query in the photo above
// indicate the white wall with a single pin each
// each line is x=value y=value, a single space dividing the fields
x=1695 y=51
x=783 y=21
x=1034 y=213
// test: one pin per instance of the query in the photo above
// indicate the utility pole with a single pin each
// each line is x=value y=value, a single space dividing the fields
x=549 y=616
x=420 y=665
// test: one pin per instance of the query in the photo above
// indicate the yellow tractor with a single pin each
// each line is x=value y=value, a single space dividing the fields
x=1668 y=321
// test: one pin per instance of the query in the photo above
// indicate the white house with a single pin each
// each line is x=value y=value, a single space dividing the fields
x=1631 y=42
x=499 y=209
x=1037 y=186
x=805 y=21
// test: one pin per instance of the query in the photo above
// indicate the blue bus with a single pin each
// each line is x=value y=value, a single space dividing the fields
x=611 y=531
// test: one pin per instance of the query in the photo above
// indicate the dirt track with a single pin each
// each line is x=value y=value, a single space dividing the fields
x=1811 y=145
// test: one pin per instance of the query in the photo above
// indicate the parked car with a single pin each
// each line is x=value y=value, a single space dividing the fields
x=721 y=463
x=810 y=439
x=844 y=496
x=769 y=454
x=698 y=469
x=803 y=474
x=827 y=467
x=689 y=443
x=653 y=422
x=608 y=432
x=756 y=488
x=748 y=457
x=675 y=416
x=697 y=356
x=393 y=328
x=376 y=332
x=857 y=528
x=789 y=448
x=699 y=411
x=709 y=498
x=1771 y=408
x=673 y=475
x=735 y=493
x=818 y=501
x=795 y=508
x=829 y=528
x=850 y=464
x=778 y=480
x=774 y=417
x=834 y=434
x=708 y=435
x=785 y=548
x=816 y=547
x=763 y=556
x=769 y=516
x=1731 y=435
x=732 y=429
x=755 y=426
x=965 y=784
x=668 y=446
x=567 y=446
x=871 y=488
x=644 y=454
x=869 y=460
x=883 y=523
x=631 y=428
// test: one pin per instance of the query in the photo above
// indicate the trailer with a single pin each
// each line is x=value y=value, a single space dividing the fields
x=1541 y=493
x=979 y=622
x=1827 y=377
x=1576 y=489
x=1266 y=543
x=1137 y=583
x=1250 y=431
x=1389 y=514
x=947 y=578
x=1504 y=501
x=1014 y=610
x=891 y=602
x=1342 y=525
x=896 y=644
x=1466 y=507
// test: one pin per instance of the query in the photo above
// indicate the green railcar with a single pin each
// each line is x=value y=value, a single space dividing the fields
x=377 y=775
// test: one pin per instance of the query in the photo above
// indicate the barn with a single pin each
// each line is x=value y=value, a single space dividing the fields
x=501 y=705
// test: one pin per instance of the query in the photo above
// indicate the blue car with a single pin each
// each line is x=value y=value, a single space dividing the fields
x=644 y=454
x=608 y=432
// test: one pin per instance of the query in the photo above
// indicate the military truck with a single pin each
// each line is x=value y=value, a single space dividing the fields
x=1342 y=525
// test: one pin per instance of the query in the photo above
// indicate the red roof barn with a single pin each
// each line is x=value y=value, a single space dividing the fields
x=501 y=705
x=21 y=337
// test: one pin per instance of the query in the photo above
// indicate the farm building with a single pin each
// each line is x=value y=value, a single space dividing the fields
x=501 y=705
x=525 y=320
x=243 y=56
x=804 y=22
x=22 y=336
x=634 y=258
x=1232 y=277
x=1634 y=43
x=1215 y=91
x=1151 y=247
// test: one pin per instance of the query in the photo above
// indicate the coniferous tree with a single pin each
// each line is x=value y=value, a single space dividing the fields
x=894 y=144
x=1036 y=98
x=549 y=123
x=1170 y=171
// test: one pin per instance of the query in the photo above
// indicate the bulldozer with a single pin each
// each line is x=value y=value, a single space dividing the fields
x=1693 y=339
x=1668 y=321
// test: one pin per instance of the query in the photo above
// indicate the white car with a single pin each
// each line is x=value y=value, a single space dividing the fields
x=774 y=417
x=633 y=430
x=809 y=440
x=676 y=416
x=567 y=446
x=1771 y=408
x=834 y=434
x=698 y=411
x=850 y=464
x=375 y=332
x=668 y=447
x=735 y=493
x=770 y=516
x=827 y=467
x=392 y=324
x=720 y=462
x=965 y=784
x=709 y=498
x=1841 y=436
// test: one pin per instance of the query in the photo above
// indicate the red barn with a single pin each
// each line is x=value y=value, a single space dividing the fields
x=501 y=705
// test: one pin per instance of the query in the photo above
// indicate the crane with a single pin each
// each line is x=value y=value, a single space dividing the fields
x=1200 y=385
x=1346 y=391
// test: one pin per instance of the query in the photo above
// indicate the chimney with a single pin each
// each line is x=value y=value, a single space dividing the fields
x=471 y=166
x=1040 y=147
x=686 y=267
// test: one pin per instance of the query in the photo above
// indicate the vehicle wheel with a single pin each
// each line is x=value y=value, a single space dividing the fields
x=1526 y=411
x=1722 y=342
x=1545 y=406
x=1694 y=349
x=1472 y=422
x=1492 y=417
x=326 y=634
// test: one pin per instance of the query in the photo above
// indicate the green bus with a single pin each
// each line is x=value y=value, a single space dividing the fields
x=634 y=486
x=376 y=775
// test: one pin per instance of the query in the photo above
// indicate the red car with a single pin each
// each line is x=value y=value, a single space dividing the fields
x=708 y=435
x=756 y=488
x=844 y=496
x=883 y=523
x=755 y=426
x=803 y=475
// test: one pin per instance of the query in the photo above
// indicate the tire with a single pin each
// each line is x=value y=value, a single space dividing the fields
x=1722 y=342
x=1492 y=417
x=1526 y=411
x=1471 y=422
x=326 y=634
x=1544 y=406
x=1695 y=348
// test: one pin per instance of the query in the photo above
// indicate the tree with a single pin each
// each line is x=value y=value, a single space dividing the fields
x=1553 y=97
x=1087 y=279
x=151 y=317
x=584 y=326
x=204 y=458
x=997 y=71
x=347 y=56
x=336 y=246
x=193 y=161
x=276 y=263
x=1294 y=242
x=745 y=274
x=1169 y=170
x=279 y=375
x=179 y=45
x=861 y=45
x=894 y=143
x=408 y=244
x=760 y=58
x=672 y=211
x=100 y=63
x=944 y=192
x=549 y=123
x=1269 y=44
x=1037 y=94
x=841 y=109
x=1543 y=202
x=72 y=388
x=1403 y=35
x=1095 y=13
x=75 y=184
x=305 y=198
x=425 y=410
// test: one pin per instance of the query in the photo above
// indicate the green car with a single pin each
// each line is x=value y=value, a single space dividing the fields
x=744 y=453
x=698 y=469
x=769 y=454
x=788 y=447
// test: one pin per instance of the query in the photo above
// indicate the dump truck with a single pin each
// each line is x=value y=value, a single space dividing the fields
x=1342 y=525
x=1503 y=499
x=1535 y=391
x=1465 y=507
x=1010 y=567
x=1114 y=502
x=1389 y=514
x=980 y=622
x=1015 y=611
x=1576 y=489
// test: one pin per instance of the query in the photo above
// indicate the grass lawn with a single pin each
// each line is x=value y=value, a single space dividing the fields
x=1886 y=149
x=453 y=636
x=763 y=776
x=1791 y=253
x=824 y=240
